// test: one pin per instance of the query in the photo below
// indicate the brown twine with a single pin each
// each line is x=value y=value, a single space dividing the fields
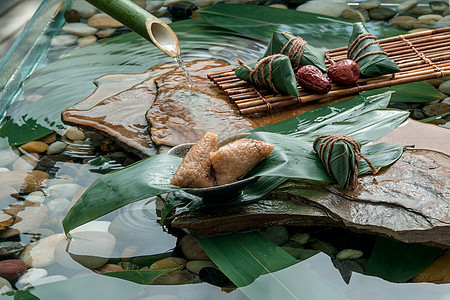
x=297 y=48
x=357 y=42
x=440 y=72
x=259 y=70
x=330 y=140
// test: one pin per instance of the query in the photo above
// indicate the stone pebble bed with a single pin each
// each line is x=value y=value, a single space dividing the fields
x=42 y=179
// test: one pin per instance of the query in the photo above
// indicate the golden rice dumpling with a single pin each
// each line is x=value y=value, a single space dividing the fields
x=233 y=161
x=195 y=169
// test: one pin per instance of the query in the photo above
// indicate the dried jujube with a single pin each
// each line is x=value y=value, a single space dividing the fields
x=345 y=71
x=311 y=78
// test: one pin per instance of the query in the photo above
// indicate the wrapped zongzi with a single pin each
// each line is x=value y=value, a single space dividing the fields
x=297 y=49
x=274 y=72
x=364 y=49
x=340 y=155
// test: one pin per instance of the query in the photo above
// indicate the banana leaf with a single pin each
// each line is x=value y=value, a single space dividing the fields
x=311 y=55
x=282 y=76
x=342 y=161
x=371 y=65
x=293 y=157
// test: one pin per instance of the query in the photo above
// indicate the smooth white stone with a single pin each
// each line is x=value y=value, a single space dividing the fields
x=85 y=9
x=2 y=169
x=92 y=249
x=445 y=87
x=58 y=206
x=328 y=8
x=25 y=163
x=104 y=33
x=80 y=29
x=56 y=147
x=63 y=258
x=7 y=156
x=31 y=275
x=62 y=190
x=63 y=40
x=349 y=254
x=204 y=3
x=41 y=253
x=36 y=196
x=86 y=40
x=61 y=179
x=5 y=286
x=75 y=134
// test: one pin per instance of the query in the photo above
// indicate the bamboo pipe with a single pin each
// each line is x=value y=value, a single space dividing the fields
x=141 y=22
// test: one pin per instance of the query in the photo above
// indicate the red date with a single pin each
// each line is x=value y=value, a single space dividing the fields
x=311 y=78
x=345 y=71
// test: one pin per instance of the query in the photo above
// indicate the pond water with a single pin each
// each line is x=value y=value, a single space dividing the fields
x=67 y=160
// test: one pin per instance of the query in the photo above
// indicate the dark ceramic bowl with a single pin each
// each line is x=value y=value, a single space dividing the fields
x=217 y=194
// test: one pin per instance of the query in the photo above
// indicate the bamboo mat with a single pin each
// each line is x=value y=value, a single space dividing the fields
x=420 y=56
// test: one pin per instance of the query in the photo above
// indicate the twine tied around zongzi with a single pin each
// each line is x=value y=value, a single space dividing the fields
x=259 y=70
x=357 y=42
x=330 y=140
x=296 y=50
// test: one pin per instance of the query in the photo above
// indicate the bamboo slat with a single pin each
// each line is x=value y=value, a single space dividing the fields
x=420 y=56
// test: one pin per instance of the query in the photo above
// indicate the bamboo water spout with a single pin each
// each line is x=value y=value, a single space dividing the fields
x=141 y=22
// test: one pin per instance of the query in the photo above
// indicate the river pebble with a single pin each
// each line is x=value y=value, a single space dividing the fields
x=405 y=6
x=103 y=21
x=169 y=263
x=80 y=29
x=381 y=13
x=34 y=147
x=63 y=40
x=203 y=3
x=9 y=248
x=6 y=220
x=436 y=109
x=109 y=268
x=430 y=18
x=41 y=253
x=353 y=15
x=74 y=134
x=58 y=206
x=104 y=33
x=5 y=286
x=444 y=22
x=3 y=169
x=333 y=9
x=191 y=248
x=56 y=147
x=29 y=216
x=278 y=235
x=420 y=10
x=301 y=238
x=12 y=268
x=349 y=254
x=36 y=196
x=26 y=162
x=62 y=190
x=403 y=22
x=63 y=258
x=20 y=181
x=152 y=6
x=368 y=5
x=31 y=275
x=166 y=20
x=196 y=265
x=85 y=9
x=438 y=6
x=86 y=40
x=91 y=248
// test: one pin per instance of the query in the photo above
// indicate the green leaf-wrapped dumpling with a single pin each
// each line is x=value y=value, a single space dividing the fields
x=299 y=52
x=274 y=72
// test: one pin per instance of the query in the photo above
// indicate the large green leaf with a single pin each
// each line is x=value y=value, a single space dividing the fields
x=292 y=157
x=244 y=257
x=260 y=22
x=138 y=276
x=399 y=262
x=410 y=92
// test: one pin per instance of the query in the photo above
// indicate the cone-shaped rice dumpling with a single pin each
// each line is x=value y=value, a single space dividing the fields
x=195 y=169
x=297 y=49
x=364 y=49
x=340 y=155
x=234 y=160
x=274 y=72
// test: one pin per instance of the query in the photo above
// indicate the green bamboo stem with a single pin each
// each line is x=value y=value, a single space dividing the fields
x=142 y=22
